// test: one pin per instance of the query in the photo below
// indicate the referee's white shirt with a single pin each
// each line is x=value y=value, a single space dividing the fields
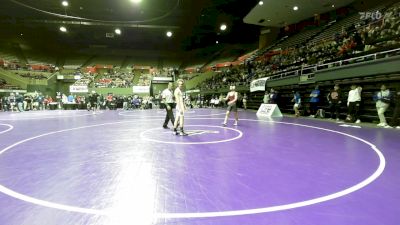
x=168 y=96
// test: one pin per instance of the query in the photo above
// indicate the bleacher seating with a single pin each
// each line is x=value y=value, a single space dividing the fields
x=298 y=39
x=35 y=59
x=32 y=74
x=73 y=63
x=8 y=57
x=114 y=80
x=336 y=28
x=6 y=86
x=106 y=60
x=145 y=79
x=377 y=36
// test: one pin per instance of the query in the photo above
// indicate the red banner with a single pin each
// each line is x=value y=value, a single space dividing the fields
x=39 y=67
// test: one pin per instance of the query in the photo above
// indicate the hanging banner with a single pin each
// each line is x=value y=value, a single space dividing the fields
x=162 y=80
x=193 y=91
x=78 y=89
x=141 y=89
x=258 y=85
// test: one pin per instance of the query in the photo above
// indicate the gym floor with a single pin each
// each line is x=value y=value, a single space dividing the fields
x=122 y=167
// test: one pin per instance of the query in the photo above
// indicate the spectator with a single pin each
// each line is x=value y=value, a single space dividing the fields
x=19 y=99
x=28 y=102
x=40 y=100
x=314 y=101
x=353 y=104
x=5 y=103
x=395 y=122
x=273 y=96
x=334 y=99
x=11 y=101
x=297 y=102
x=382 y=104
x=125 y=103
x=70 y=98
x=245 y=101
x=266 y=97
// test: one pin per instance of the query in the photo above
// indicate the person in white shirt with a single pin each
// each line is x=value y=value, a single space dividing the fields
x=382 y=104
x=353 y=104
x=212 y=102
x=216 y=102
x=168 y=101
x=180 y=109
x=266 y=98
x=244 y=101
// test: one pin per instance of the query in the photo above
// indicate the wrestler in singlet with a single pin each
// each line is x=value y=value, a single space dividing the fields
x=231 y=103
x=231 y=98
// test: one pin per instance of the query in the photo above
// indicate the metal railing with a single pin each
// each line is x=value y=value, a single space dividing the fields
x=306 y=70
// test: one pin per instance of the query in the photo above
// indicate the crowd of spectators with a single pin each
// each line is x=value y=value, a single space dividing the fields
x=145 y=79
x=31 y=75
x=37 y=72
x=114 y=81
x=5 y=85
x=46 y=68
x=24 y=102
x=366 y=36
x=358 y=39
x=351 y=105
x=233 y=76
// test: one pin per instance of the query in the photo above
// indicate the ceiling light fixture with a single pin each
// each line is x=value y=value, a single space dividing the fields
x=333 y=6
x=169 y=34
x=261 y=3
x=223 y=27
x=295 y=8
x=136 y=1
x=65 y=3
x=118 y=31
x=63 y=29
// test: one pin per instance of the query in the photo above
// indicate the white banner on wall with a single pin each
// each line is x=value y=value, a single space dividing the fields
x=258 y=85
x=162 y=79
x=193 y=91
x=141 y=89
x=12 y=91
x=78 y=89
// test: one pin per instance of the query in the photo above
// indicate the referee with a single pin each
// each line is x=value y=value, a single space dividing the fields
x=167 y=98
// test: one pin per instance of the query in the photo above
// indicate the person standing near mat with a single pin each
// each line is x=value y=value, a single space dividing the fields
x=180 y=109
x=297 y=102
x=168 y=100
x=93 y=101
x=353 y=104
x=244 y=101
x=231 y=97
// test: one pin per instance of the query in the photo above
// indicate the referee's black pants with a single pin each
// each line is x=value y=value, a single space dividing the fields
x=170 y=115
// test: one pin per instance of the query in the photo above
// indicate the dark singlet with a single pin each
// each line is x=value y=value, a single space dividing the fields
x=231 y=97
